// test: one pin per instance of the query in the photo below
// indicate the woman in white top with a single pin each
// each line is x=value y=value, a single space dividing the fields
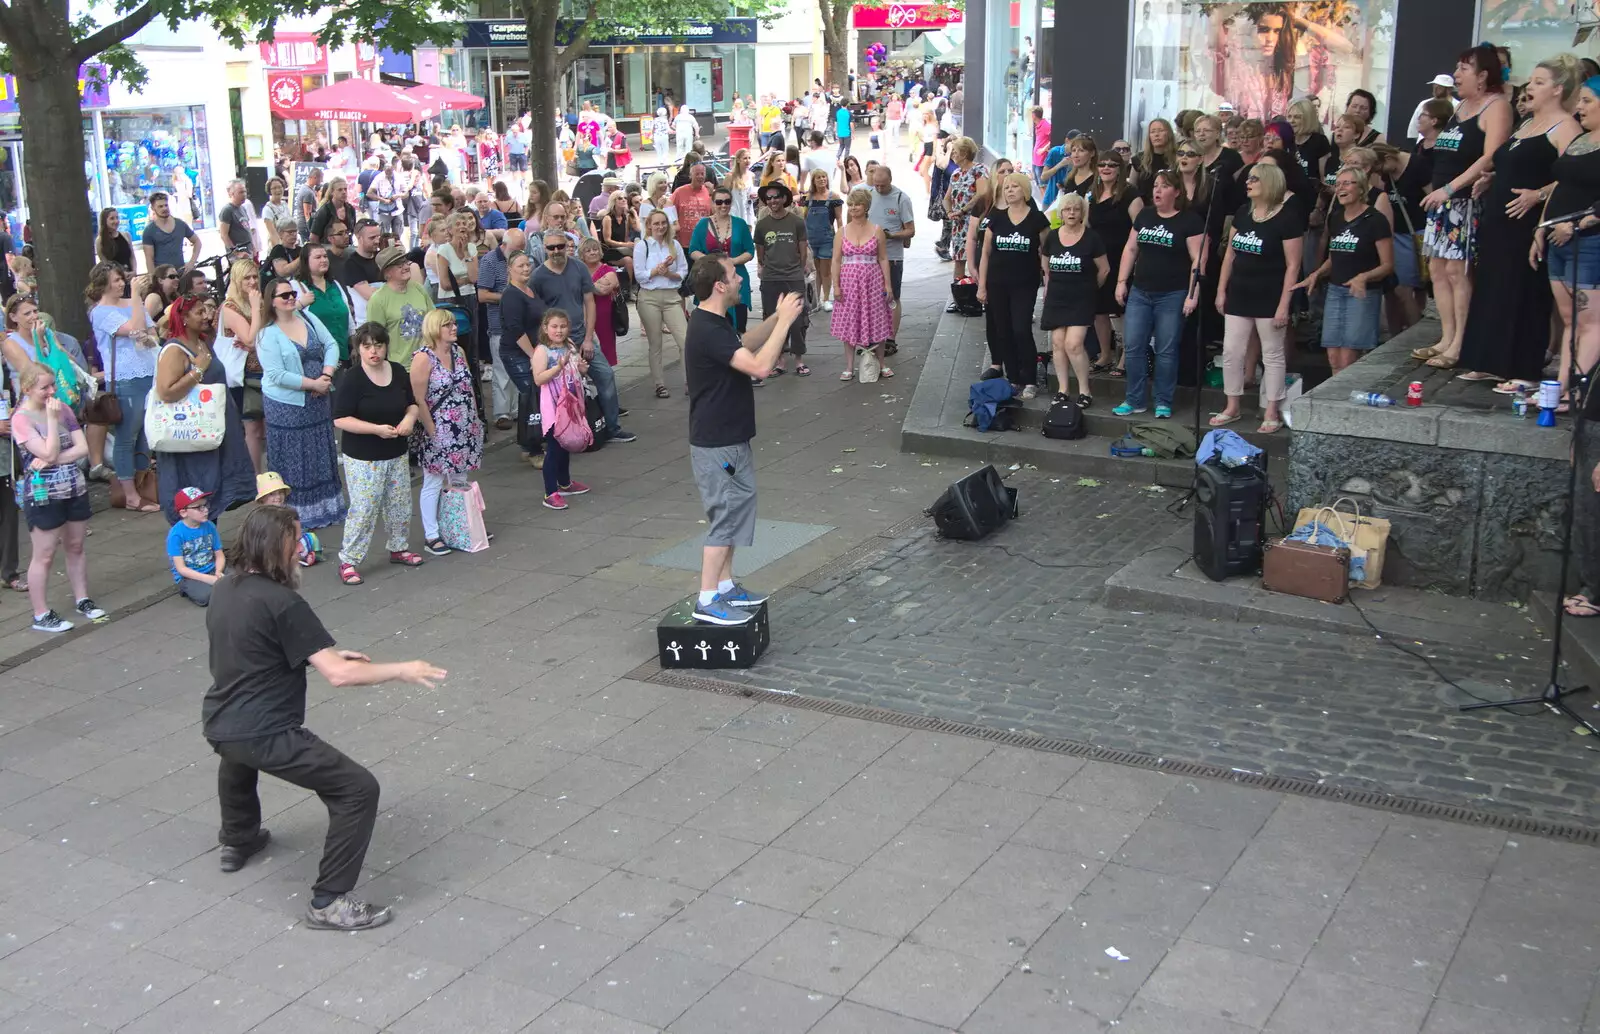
x=458 y=257
x=438 y=231
x=656 y=197
x=239 y=322
x=743 y=186
x=276 y=208
x=660 y=266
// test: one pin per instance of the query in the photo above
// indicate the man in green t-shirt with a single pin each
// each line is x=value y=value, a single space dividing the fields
x=784 y=261
x=399 y=305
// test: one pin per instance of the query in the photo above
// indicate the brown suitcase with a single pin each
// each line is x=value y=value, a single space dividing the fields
x=1301 y=569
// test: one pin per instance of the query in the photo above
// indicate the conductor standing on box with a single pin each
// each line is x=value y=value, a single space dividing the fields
x=262 y=635
x=722 y=422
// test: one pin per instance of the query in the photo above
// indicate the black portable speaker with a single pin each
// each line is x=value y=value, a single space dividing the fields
x=1230 y=509
x=974 y=506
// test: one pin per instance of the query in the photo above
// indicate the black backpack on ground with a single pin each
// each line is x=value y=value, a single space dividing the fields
x=1064 y=421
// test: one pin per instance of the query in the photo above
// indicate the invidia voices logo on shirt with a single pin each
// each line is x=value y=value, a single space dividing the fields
x=1066 y=262
x=1346 y=241
x=1013 y=241
x=1158 y=235
x=1248 y=242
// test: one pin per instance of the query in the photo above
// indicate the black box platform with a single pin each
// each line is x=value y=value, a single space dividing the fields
x=687 y=643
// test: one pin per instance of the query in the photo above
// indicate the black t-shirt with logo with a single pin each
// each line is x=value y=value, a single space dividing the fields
x=1014 y=248
x=262 y=635
x=1255 y=283
x=1163 y=262
x=1353 y=245
x=722 y=402
x=1074 y=276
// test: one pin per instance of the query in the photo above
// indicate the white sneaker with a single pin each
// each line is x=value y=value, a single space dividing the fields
x=1028 y=392
x=51 y=622
x=827 y=306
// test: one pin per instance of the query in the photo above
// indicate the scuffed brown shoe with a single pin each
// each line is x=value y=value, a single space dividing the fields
x=346 y=913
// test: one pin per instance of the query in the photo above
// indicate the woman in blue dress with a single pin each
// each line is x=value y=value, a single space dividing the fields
x=298 y=357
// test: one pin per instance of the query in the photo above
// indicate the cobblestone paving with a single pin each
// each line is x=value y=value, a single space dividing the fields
x=980 y=632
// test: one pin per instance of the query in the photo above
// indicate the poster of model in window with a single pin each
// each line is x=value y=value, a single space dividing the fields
x=1260 y=57
x=1155 y=65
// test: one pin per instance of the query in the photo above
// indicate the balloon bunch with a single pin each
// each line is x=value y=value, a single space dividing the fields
x=875 y=54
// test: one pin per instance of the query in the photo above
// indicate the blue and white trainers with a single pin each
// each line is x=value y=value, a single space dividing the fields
x=739 y=596
x=720 y=612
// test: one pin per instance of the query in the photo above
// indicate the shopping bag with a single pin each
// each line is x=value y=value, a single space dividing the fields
x=1367 y=536
x=868 y=368
x=194 y=423
x=461 y=518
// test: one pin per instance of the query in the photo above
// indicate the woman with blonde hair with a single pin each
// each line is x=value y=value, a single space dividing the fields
x=1310 y=143
x=1259 y=270
x=660 y=265
x=455 y=261
x=1075 y=265
x=657 y=198
x=1508 y=327
x=335 y=208
x=240 y=322
x=739 y=181
x=969 y=195
x=450 y=441
x=823 y=208
x=1160 y=152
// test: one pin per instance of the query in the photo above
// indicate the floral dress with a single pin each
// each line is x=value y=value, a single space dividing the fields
x=861 y=316
x=458 y=446
x=963 y=184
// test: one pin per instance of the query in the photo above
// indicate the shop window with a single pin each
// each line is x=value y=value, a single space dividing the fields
x=1257 y=57
x=164 y=149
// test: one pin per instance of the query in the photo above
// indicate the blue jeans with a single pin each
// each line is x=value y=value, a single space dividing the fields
x=520 y=369
x=1153 y=319
x=129 y=453
x=606 y=383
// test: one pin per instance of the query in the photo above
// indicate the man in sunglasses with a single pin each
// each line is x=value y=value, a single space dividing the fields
x=784 y=260
x=561 y=283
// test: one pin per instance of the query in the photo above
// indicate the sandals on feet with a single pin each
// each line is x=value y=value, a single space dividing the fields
x=1223 y=419
x=1443 y=362
x=405 y=558
x=802 y=370
x=1579 y=605
x=1474 y=376
x=885 y=372
x=662 y=392
x=848 y=375
x=18 y=584
x=349 y=575
x=1424 y=353
x=1270 y=427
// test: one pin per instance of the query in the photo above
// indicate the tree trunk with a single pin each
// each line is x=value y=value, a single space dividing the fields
x=836 y=41
x=53 y=168
x=544 y=156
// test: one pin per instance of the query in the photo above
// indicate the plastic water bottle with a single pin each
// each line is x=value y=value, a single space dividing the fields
x=36 y=485
x=1370 y=398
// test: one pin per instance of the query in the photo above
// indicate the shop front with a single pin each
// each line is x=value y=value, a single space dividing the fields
x=133 y=145
x=1114 y=66
x=294 y=64
x=897 y=25
x=626 y=75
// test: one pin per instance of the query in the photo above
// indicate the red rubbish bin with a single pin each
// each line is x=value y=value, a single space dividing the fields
x=738 y=137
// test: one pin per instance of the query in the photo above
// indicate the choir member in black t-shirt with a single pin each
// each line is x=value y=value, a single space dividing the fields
x=1360 y=256
x=1259 y=270
x=1008 y=279
x=1156 y=283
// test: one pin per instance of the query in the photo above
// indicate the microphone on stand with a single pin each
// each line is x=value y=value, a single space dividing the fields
x=1572 y=217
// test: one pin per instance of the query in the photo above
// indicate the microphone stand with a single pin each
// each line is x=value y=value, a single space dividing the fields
x=1198 y=319
x=1553 y=698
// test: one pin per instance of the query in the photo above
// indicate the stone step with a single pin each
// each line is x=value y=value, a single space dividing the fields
x=1101 y=422
x=1086 y=457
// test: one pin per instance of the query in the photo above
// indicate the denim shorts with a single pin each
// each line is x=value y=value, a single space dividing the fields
x=1351 y=322
x=1406 y=269
x=1585 y=251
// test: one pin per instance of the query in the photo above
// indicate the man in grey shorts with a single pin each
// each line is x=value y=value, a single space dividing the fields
x=722 y=421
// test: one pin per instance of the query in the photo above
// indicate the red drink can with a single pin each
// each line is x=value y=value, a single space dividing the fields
x=1414 y=394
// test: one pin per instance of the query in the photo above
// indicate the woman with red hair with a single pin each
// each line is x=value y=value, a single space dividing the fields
x=185 y=363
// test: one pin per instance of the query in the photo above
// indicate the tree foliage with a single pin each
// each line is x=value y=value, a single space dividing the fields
x=548 y=62
x=44 y=45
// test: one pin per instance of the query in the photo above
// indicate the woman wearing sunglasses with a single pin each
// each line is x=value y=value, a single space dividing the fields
x=1113 y=206
x=1259 y=270
x=298 y=357
x=723 y=233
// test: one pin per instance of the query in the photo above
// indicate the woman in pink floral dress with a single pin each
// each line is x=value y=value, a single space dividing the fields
x=449 y=433
x=861 y=315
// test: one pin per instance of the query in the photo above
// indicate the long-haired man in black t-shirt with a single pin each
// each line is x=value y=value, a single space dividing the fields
x=262 y=635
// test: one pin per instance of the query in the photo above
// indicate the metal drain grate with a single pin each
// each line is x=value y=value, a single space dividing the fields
x=651 y=671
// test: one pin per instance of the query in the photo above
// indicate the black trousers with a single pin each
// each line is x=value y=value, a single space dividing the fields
x=771 y=291
x=8 y=532
x=298 y=757
x=1012 y=343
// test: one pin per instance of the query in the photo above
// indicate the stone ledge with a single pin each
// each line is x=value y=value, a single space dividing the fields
x=1327 y=409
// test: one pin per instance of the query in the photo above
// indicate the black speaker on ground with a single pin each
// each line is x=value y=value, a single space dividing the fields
x=1228 y=518
x=974 y=506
